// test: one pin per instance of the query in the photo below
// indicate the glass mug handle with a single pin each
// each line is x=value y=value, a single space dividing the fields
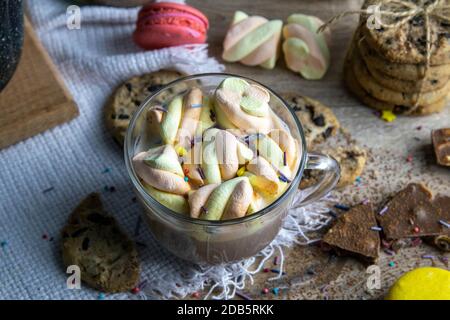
x=318 y=161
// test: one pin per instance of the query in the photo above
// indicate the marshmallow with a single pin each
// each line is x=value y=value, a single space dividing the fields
x=222 y=155
x=263 y=176
x=223 y=200
x=172 y=201
x=252 y=41
x=305 y=50
x=243 y=105
x=185 y=118
x=159 y=168
x=198 y=198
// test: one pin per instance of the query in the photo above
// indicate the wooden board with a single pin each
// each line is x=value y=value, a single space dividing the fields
x=310 y=272
x=36 y=98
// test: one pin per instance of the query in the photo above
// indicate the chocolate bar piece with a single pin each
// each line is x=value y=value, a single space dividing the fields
x=441 y=143
x=356 y=233
x=411 y=213
x=443 y=240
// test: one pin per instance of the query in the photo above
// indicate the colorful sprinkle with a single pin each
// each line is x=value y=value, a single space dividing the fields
x=383 y=211
x=391 y=264
x=180 y=151
x=389 y=252
x=241 y=171
x=265 y=291
x=101 y=296
x=142 y=284
x=243 y=295
x=388 y=115
x=201 y=173
x=109 y=189
x=277 y=271
x=332 y=213
x=186 y=171
x=275 y=260
x=282 y=177
x=416 y=229
x=276 y=291
x=135 y=290
x=196 y=295
x=186 y=179
x=376 y=229
x=444 y=223
x=266 y=270
x=428 y=256
x=196 y=105
x=358 y=179
x=365 y=201
x=48 y=189
x=137 y=228
x=160 y=109
x=311 y=272
x=409 y=158
x=342 y=207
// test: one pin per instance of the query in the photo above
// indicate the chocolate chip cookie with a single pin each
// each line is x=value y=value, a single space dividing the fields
x=406 y=43
x=93 y=241
x=351 y=159
x=353 y=84
x=382 y=93
x=318 y=121
x=402 y=71
x=128 y=97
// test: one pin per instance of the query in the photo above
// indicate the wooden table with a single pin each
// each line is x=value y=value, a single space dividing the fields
x=311 y=273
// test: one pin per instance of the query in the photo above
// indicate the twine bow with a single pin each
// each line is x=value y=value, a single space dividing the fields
x=401 y=13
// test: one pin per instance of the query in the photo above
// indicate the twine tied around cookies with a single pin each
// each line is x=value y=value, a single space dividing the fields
x=401 y=13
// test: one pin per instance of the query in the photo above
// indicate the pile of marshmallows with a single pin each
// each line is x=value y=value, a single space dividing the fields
x=220 y=156
x=255 y=41
x=251 y=40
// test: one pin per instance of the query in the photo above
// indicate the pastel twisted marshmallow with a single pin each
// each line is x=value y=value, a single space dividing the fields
x=305 y=50
x=252 y=40
x=172 y=201
x=159 y=168
x=243 y=105
x=287 y=144
x=222 y=155
x=263 y=177
x=186 y=117
x=228 y=200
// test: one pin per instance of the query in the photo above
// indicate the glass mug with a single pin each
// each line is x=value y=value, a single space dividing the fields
x=215 y=242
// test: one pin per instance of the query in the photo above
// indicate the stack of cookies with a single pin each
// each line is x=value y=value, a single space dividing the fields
x=386 y=67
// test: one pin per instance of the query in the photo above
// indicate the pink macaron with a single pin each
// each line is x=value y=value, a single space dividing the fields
x=166 y=24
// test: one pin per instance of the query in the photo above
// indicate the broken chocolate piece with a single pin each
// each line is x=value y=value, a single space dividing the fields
x=443 y=240
x=411 y=213
x=354 y=233
x=441 y=144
